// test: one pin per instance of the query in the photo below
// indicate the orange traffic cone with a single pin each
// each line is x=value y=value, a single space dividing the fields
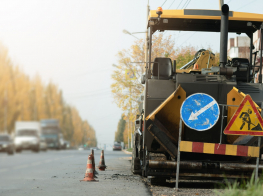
x=93 y=164
x=102 y=165
x=89 y=171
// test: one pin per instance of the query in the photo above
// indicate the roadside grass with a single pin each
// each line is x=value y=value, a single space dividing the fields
x=129 y=149
x=243 y=188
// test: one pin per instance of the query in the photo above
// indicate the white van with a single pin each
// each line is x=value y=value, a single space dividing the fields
x=27 y=135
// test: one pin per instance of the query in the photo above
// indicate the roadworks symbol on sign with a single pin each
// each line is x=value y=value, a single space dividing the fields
x=246 y=120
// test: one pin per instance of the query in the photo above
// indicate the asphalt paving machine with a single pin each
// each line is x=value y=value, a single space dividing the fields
x=210 y=153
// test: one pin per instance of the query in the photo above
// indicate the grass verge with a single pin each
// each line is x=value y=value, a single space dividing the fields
x=129 y=149
x=243 y=188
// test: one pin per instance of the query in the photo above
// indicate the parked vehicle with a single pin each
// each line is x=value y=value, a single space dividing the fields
x=27 y=135
x=160 y=134
x=43 y=144
x=52 y=133
x=6 y=144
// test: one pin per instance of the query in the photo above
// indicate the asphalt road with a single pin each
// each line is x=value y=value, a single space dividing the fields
x=59 y=173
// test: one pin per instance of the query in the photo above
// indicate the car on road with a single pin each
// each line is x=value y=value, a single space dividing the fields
x=66 y=144
x=7 y=144
x=27 y=135
x=94 y=148
x=116 y=146
x=81 y=148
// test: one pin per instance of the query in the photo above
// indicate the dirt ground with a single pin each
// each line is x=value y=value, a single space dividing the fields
x=186 y=188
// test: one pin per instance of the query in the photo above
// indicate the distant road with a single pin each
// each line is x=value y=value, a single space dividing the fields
x=58 y=173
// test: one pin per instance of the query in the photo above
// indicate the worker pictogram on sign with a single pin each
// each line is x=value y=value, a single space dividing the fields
x=246 y=120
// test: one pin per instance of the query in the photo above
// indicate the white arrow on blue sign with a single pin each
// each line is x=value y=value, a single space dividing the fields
x=200 y=111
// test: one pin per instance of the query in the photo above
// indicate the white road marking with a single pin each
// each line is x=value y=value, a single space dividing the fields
x=68 y=156
x=36 y=163
x=3 y=170
x=21 y=166
x=56 y=159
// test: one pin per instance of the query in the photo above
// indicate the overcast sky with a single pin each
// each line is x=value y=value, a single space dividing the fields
x=74 y=44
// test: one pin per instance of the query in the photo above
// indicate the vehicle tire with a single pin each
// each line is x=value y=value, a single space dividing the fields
x=36 y=150
x=135 y=163
x=132 y=161
x=135 y=166
x=10 y=152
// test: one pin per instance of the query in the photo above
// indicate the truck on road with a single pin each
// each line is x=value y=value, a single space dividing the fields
x=27 y=135
x=52 y=133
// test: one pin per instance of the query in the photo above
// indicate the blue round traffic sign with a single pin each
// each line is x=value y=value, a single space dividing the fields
x=200 y=111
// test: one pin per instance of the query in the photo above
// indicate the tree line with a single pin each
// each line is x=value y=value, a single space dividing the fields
x=127 y=87
x=26 y=99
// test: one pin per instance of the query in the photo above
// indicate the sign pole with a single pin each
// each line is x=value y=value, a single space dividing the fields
x=222 y=121
x=256 y=174
x=178 y=155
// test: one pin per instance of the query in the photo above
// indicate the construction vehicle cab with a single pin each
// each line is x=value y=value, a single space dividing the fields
x=166 y=88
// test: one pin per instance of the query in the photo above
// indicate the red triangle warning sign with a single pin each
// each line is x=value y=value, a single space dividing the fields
x=246 y=120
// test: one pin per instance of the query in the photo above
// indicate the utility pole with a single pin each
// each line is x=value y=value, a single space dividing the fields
x=34 y=106
x=146 y=36
x=21 y=111
x=5 y=111
x=129 y=116
x=147 y=64
x=130 y=123
x=221 y=2
x=128 y=130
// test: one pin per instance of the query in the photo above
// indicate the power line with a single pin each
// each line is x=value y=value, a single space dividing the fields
x=171 y=4
x=183 y=34
x=88 y=92
x=89 y=73
x=163 y=3
x=94 y=97
x=104 y=117
x=246 y=4
x=179 y=4
x=91 y=94
x=185 y=4
x=187 y=39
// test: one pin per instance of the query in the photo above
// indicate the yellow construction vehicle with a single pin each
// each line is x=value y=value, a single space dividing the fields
x=204 y=152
